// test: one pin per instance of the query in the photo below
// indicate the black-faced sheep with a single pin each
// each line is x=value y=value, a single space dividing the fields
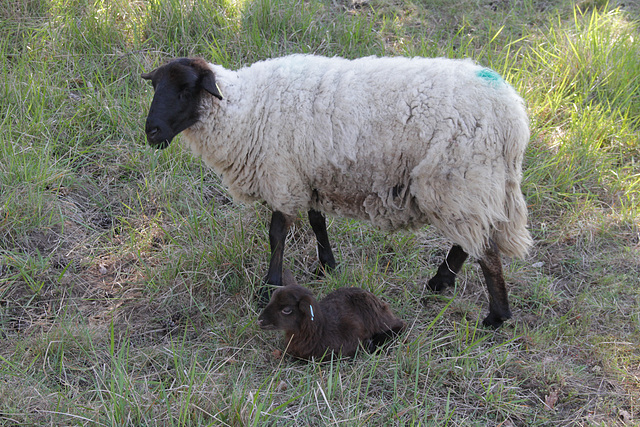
x=400 y=142
x=346 y=319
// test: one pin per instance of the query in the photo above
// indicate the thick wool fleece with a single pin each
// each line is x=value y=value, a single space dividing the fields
x=400 y=142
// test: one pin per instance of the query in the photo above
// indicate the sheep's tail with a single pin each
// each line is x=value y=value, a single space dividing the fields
x=511 y=236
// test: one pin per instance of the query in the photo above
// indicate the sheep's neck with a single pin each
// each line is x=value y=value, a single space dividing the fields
x=229 y=149
x=308 y=340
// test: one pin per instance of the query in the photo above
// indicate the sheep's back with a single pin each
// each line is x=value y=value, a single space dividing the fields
x=360 y=311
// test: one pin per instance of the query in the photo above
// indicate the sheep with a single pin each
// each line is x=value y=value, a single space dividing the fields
x=399 y=142
x=343 y=321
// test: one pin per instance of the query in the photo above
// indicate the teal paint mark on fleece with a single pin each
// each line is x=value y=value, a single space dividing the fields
x=490 y=76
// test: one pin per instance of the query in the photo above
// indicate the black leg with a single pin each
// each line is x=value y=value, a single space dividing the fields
x=319 y=226
x=498 y=298
x=381 y=338
x=277 y=234
x=446 y=275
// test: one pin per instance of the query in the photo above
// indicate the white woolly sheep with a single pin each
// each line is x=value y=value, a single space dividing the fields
x=400 y=142
x=345 y=320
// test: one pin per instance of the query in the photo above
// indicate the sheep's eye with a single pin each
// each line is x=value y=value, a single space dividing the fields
x=287 y=311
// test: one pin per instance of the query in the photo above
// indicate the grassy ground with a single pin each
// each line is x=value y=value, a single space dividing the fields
x=127 y=274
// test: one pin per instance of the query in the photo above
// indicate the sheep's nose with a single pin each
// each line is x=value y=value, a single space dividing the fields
x=151 y=133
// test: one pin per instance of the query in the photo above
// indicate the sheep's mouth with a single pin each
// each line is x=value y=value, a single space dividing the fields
x=159 y=134
x=267 y=327
x=161 y=145
x=156 y=140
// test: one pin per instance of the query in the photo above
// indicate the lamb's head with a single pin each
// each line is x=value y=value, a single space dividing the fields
x=291 y=307
x=179 y=87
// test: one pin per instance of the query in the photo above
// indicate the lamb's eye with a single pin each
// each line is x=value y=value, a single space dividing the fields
x=286 y=311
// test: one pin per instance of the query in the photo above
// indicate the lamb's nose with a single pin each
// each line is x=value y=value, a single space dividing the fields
x=152 y=132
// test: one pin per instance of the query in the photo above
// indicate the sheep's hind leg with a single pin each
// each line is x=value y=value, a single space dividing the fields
x=446 y=274
x=381 y=338
x=277 y=235
x=319 y=225
x=498 y=298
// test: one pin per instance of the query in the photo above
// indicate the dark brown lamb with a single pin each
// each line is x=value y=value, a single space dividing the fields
x=342 y=322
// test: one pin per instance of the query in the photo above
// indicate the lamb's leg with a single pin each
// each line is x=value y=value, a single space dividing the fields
x=446 y=275
x=277 y=234
x=381 y=338
x=319 y=226
x=498 y=298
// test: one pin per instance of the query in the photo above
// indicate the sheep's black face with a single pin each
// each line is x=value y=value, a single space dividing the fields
x=179 y=87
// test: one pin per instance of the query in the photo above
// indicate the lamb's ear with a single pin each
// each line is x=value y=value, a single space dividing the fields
x=209 y=84
x=306 y=305
x=287 y=278
x=148 y=76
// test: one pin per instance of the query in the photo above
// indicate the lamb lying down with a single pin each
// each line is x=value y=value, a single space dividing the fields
x=343 y=321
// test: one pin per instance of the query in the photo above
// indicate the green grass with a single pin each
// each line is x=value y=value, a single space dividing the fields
x=127 y=275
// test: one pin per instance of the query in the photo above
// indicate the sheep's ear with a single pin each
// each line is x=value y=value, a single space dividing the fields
x=209 y=84
x=306 y=305
x=287 y=278
x=148 y=76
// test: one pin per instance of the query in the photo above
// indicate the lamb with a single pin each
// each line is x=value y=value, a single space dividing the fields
x=343 y=321
x=399 y=142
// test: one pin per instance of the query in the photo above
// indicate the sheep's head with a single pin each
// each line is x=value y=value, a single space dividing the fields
x=290 y=307
x=179 y=87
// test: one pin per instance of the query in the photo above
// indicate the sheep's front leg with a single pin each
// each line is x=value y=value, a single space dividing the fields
x=277 y=235
x=319 y=225
x=498 y=299
x=446 y=275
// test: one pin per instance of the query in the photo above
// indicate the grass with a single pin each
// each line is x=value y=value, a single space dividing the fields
x=127 y=275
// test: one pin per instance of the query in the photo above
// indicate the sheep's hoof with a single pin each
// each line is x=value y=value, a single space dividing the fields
x=439 y=282
x=321 y=269
x=264 y=295
x=494 y=320
x=318 y=271
x=369 y=346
